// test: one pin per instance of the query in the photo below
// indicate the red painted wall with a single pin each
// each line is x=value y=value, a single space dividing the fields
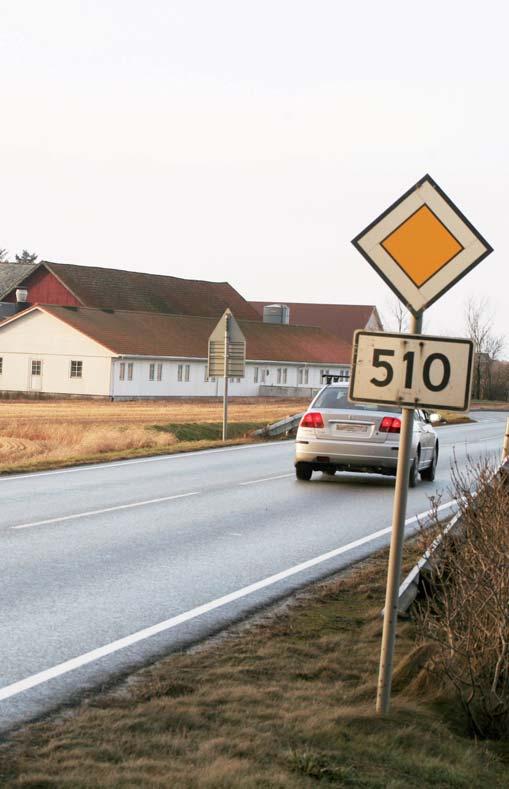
x=44 y=288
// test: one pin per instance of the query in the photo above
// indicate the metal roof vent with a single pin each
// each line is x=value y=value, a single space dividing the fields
x=21 y=295
x=276 y=313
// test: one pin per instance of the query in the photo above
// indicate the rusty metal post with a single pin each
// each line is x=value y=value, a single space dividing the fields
x=225 y=393
x=383 y=698
x=505 y=448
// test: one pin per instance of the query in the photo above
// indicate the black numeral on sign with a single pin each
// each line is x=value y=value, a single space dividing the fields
x=408 y=358
x=409 y=362
x=446 y=372
x=377 y=353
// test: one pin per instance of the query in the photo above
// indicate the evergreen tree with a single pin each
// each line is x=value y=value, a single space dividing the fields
x=26 y=257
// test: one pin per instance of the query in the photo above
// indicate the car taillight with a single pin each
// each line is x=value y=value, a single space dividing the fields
x=312 y=419
x=390 y=424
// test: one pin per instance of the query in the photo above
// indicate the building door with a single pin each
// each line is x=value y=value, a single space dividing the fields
x=36 y=375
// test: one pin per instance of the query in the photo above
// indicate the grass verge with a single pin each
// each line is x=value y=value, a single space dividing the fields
x=284 y=702
x=207 y=431
x=490 y=405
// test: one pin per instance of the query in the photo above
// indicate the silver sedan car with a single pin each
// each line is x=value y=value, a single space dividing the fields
x=337 y=435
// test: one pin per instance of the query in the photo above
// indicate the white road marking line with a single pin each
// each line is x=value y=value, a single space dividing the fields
x=121 y=463
x=115 y=646
x=100 y=512
x=265 y=479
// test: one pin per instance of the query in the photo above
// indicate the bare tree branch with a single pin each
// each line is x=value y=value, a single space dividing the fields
x=395 y=315
x=487 y=345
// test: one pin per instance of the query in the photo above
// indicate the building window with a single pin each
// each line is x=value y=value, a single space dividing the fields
x=36 y=367
x=151 y=372
x=323 y=374
x=206 y=378
x=159 y=372
x=279 y=375
x=285 y=374
x=282 y=375
x=76 y=369
x=344 y=374
x=121 y=371
x=303 y=375
x=259 y=374
x=1 y=365
x=183 y=372
x=130 y=367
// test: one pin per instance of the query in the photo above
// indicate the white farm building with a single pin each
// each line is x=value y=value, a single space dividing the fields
x=83 y=351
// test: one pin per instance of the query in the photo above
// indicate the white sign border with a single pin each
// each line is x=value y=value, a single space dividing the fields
x=418 y=337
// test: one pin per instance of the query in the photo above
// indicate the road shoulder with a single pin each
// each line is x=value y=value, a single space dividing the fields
x=283 y=700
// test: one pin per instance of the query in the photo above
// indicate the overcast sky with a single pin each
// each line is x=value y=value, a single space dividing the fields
x=250 y=141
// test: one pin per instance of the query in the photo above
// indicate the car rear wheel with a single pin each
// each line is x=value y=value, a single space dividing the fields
x=303 y=471
x=429 y=473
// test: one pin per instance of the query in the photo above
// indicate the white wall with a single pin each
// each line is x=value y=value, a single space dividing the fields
x=38 y=336
x=373 y=323
x=41 y=337
x=197 y=386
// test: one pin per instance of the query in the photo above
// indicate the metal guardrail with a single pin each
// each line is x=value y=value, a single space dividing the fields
x=280 y=428
x=409 y=588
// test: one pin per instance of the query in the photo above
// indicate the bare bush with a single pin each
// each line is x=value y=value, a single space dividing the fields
x=465 y=610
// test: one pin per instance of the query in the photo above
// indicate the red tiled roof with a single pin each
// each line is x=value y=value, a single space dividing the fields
x=131 y=290
x=340 y=319
x=157 y=334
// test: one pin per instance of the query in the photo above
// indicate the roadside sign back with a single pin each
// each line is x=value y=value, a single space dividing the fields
x=236 y=349
x=411 y=370
x=422 y=245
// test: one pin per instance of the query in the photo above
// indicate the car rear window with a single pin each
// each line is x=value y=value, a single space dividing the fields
x=337 y=397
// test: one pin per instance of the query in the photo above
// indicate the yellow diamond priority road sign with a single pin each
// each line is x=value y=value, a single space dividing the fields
x=422 y=245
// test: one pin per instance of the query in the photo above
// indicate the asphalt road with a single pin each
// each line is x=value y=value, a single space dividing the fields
x=104 y=568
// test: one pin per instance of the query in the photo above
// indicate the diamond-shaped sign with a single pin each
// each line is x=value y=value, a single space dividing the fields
x=422 y=245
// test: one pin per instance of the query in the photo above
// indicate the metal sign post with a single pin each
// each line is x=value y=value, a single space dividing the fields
x=226 y=357
x=225 y=373
x=412 y=371
x=505 y=448
x=383 y=697
x=421 y=246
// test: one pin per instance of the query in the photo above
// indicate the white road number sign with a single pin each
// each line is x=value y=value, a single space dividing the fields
x=411 y=370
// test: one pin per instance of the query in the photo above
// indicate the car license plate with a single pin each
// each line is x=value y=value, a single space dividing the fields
x=349 y=428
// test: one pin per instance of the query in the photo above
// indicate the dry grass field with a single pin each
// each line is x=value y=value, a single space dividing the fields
x=48 y=434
